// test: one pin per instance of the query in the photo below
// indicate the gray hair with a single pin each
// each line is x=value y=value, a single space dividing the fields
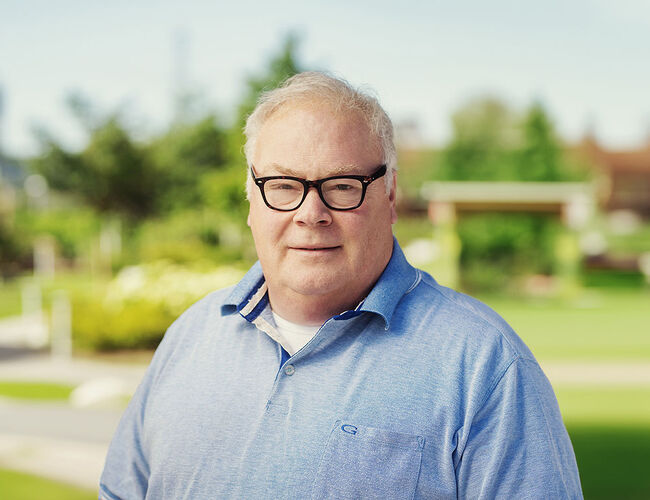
x=317 y=86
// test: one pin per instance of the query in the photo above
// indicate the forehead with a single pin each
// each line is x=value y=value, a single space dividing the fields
x=315 y=139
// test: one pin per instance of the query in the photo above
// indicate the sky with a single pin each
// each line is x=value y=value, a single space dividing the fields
x=587 y=61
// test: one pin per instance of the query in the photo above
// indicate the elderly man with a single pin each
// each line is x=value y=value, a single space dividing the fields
x=334 y=369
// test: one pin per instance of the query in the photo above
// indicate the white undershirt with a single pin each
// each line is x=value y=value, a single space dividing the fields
x=294 y=336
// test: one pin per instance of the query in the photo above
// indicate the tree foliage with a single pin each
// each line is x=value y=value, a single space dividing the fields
x=484 y=131
x=280 y=67
x=540 y=156
x=112 y=173
x=183 y=155
x=491 y=142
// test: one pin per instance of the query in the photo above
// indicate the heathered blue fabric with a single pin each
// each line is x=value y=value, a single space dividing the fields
x=421 y=393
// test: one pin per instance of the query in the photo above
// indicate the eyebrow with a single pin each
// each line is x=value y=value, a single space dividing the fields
x=282 y=170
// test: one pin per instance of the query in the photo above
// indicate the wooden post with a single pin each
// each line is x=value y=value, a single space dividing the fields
x=61 y=344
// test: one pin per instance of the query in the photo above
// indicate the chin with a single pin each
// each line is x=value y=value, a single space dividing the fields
x=315 y=285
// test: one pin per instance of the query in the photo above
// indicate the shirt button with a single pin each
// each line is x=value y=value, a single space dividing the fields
x=289 y=370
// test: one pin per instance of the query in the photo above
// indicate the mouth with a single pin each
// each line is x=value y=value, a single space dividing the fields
x=315 y=249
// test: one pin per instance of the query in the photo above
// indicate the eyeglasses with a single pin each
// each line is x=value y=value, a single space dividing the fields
x=341 y=192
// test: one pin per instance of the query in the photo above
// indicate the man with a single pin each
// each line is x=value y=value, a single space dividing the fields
x=334 y=369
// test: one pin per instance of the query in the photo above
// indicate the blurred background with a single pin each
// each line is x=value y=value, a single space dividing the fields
x=523 y=133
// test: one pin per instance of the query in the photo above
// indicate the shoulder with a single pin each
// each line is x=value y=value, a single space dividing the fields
x=465 y=318
x=196 y=322
x=207 y=306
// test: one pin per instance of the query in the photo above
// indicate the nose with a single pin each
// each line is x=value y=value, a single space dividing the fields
x=313 y=211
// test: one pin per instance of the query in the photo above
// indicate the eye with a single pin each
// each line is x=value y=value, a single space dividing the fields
x=283 y=186
x=342 y=186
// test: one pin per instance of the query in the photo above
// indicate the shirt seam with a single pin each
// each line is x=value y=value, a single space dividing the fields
x=546 y=424
x=488 y=392
x=497 y=380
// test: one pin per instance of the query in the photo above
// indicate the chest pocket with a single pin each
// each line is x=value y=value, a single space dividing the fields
x=365 y=462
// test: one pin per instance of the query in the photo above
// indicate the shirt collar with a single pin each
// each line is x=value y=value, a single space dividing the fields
x=398 y=278
x=249 y=296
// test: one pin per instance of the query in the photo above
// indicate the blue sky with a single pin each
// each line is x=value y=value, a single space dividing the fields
x=587 y=60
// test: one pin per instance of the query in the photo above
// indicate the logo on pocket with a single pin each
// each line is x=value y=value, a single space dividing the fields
x=350 y=429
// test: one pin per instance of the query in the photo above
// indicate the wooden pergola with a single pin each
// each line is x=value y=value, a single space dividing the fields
x=573 y=202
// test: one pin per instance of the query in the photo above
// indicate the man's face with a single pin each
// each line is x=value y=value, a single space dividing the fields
x=314 y=254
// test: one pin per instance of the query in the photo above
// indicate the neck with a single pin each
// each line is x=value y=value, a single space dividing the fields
x=311 y=309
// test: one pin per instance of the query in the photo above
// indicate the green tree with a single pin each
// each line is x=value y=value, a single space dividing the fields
x=281 y=66
x=112 y=173
x=484 y=134
x=183 y=155
x=541 y=156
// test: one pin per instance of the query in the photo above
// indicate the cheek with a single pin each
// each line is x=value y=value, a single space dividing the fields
x=267 y=229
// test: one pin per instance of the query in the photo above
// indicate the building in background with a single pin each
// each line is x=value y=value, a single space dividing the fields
x=626 y=174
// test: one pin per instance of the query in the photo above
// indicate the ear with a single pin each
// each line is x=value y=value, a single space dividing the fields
x=248 y=219
x=392 y=198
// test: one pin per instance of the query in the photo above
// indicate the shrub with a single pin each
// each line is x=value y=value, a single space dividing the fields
x=497 y=248
x=140 y=304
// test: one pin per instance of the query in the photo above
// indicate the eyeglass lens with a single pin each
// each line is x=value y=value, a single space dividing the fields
x=285 y=194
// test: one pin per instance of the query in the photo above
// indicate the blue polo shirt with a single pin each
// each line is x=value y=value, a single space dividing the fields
x=420 y=392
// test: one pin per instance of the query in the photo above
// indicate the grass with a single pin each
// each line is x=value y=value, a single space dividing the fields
x=613 y=460
x=44 y=391
x=21 y=486
x=633 y=243
x=610 y=431
x=616 y=406
x=601 y=325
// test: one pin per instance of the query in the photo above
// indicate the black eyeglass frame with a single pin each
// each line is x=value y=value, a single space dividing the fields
x=365 y=180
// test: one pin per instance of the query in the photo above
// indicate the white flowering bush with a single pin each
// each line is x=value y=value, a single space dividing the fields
x=172 y=286
x=141 y=302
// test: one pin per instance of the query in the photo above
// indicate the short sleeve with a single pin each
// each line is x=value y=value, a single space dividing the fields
x=517 y=445
x=126 y=470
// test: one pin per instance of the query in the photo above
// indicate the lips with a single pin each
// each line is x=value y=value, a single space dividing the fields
x=311 y=248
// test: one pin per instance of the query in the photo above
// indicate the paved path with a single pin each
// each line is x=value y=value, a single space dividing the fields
x=27 y=330
x=598 y=374
x=25 y=364
x=58 y=440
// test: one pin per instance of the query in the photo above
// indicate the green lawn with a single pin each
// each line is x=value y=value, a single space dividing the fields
x=614 y=460
x=21 y=486
x=602 y=324
x=620 y=406
x=35 y=390
x=610 y=432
